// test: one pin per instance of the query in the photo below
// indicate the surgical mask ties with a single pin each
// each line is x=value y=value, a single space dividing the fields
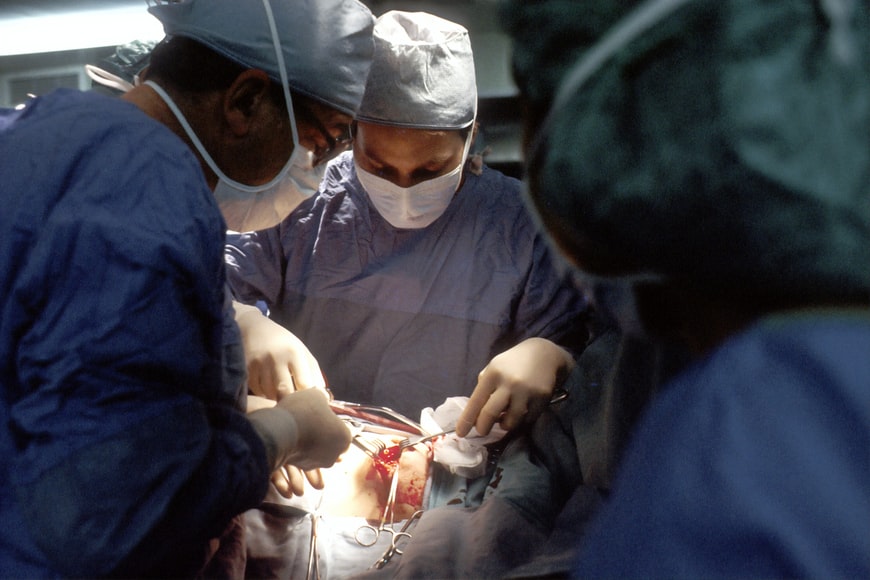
x=417 y=206
x=254 y=207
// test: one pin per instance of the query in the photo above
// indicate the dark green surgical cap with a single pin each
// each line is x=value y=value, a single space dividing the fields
x=725 y=143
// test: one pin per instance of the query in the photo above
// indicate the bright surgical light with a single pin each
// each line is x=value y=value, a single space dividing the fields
x=76 y=30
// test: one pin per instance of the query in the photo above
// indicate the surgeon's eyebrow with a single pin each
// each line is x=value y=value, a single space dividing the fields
x=433 y=165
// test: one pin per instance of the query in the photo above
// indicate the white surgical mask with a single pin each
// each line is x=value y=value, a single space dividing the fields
x=416 y=206
x=249 y=211
x=256 y=207
x=410 y=207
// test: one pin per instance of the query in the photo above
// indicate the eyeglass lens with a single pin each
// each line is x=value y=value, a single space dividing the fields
x=334 y=146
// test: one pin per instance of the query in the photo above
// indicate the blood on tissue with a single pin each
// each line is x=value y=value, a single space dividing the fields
x=409 y=491
x=387 y=462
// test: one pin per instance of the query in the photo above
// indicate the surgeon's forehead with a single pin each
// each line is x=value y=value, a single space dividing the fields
x=387 y=144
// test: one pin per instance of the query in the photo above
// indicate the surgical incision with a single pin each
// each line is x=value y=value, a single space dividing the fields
x=358 y=485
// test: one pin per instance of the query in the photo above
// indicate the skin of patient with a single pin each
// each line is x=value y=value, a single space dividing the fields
x=358 y=486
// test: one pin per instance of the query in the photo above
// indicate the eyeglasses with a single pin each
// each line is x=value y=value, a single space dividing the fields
x=334 y=145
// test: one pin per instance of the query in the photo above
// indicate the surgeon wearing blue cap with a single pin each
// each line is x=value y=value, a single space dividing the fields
x=411 y=276
x=124 y=444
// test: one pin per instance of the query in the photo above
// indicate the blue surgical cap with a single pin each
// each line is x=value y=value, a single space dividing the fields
x=327 y=44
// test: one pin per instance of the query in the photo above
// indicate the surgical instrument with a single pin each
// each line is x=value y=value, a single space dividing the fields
x=394 y=549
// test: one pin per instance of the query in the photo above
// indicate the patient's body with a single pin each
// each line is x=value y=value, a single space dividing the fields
x=279 y=533
x=358 y=485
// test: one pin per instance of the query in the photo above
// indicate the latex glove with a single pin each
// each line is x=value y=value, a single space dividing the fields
x=515 y=386
x=301 y=430
x=288 y=480
x=277 y=361
x=465 y=456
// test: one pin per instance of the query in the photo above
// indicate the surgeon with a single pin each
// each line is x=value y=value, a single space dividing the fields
x=325 y=76
x=409 y=276
x=711 y=159
x=276 y=360
x=124 y=446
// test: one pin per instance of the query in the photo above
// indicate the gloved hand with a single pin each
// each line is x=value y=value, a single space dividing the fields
x=301 y=430
x=289 y=480
x=277 y=361
x=515 y=386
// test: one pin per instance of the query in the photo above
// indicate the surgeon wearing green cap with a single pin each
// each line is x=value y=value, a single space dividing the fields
x=704 y=164
x=124 y=444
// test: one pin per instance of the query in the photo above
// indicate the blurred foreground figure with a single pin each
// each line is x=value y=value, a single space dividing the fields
x=705 y=166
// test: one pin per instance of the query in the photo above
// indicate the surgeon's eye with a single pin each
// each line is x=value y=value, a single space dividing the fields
x=425 y=174
x=379 y=170
x=345 y=137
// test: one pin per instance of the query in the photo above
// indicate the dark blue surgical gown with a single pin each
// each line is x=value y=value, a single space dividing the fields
x=754 y=463
x=122 y=445
x=408 y=317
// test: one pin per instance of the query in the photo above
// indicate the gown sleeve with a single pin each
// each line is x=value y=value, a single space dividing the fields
x=255 y=269
x=751 y=464
x=126 y=456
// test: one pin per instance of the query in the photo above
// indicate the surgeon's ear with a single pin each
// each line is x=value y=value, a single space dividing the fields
x=245 y=99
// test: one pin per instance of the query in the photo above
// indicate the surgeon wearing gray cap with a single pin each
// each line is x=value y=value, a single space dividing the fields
x=711 y=157
x=410 y=277
x=124 y=446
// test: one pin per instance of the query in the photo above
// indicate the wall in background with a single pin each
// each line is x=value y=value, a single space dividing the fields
x=37 y=71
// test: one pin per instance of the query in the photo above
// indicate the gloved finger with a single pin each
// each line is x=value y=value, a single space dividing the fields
x=264 y=378
x=476 y=402
x=306 y=372
x=270 y=380
x=281 y=481
x=254 y=379
x=283 y=378
x=289 y=481
x=297 y=479
x=536 y=403
x=315 y=478
x=493 y=411
x=515 y=412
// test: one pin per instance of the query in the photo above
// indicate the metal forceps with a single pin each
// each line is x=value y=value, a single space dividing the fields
x=367 y=535
x=394 y=549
